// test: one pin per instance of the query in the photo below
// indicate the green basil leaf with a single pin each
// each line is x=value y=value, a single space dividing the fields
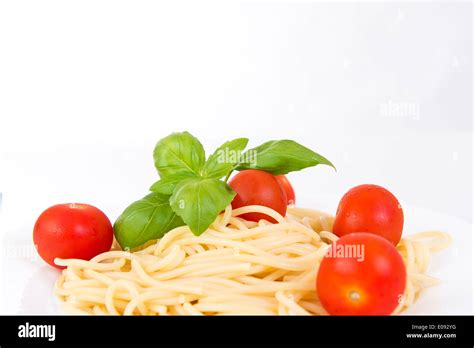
x=167 y=184
x=221 y=162
x=281 y=157
x=179 y=153
x=144 y=220
x=199 y=201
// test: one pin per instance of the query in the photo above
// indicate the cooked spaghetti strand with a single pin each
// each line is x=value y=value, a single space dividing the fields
x=235 y=267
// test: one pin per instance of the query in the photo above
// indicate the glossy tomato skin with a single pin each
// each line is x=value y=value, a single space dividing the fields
x=287 y=187
x=369 y=208
x=374 y=286
x=72 y=230
x=256 y=187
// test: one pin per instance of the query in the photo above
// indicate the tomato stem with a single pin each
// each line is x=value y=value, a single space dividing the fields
x=354 y=296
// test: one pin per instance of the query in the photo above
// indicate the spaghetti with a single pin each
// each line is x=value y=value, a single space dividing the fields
x=235 y=267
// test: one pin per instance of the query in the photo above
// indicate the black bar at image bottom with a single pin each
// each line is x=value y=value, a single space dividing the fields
x=240 y=330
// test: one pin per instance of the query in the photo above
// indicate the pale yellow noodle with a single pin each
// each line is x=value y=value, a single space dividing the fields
x=235 y=267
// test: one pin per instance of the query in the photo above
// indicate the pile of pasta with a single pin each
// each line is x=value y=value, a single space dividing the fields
x=236 y=267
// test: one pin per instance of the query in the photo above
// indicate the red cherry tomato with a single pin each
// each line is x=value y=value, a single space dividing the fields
x=286 y=185
x=362 y=274
x=256 y=187
x=369 y=208
x=73 y=230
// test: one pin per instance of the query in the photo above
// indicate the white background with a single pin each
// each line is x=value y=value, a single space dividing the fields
x=88 y=87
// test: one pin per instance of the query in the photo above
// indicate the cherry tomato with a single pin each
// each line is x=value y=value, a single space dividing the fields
x=72 y=230
x=369 y=208
x=256 y=187
x=285 y=183
x=362 y=274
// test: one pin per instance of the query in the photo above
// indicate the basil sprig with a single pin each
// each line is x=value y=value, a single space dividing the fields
x=144 y=220
x=179 y=153
x=281 y=157
x=190 y=190
x=223 y=160
x=198 y=201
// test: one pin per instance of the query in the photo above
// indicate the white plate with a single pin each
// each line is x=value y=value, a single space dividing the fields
x=27 y=282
